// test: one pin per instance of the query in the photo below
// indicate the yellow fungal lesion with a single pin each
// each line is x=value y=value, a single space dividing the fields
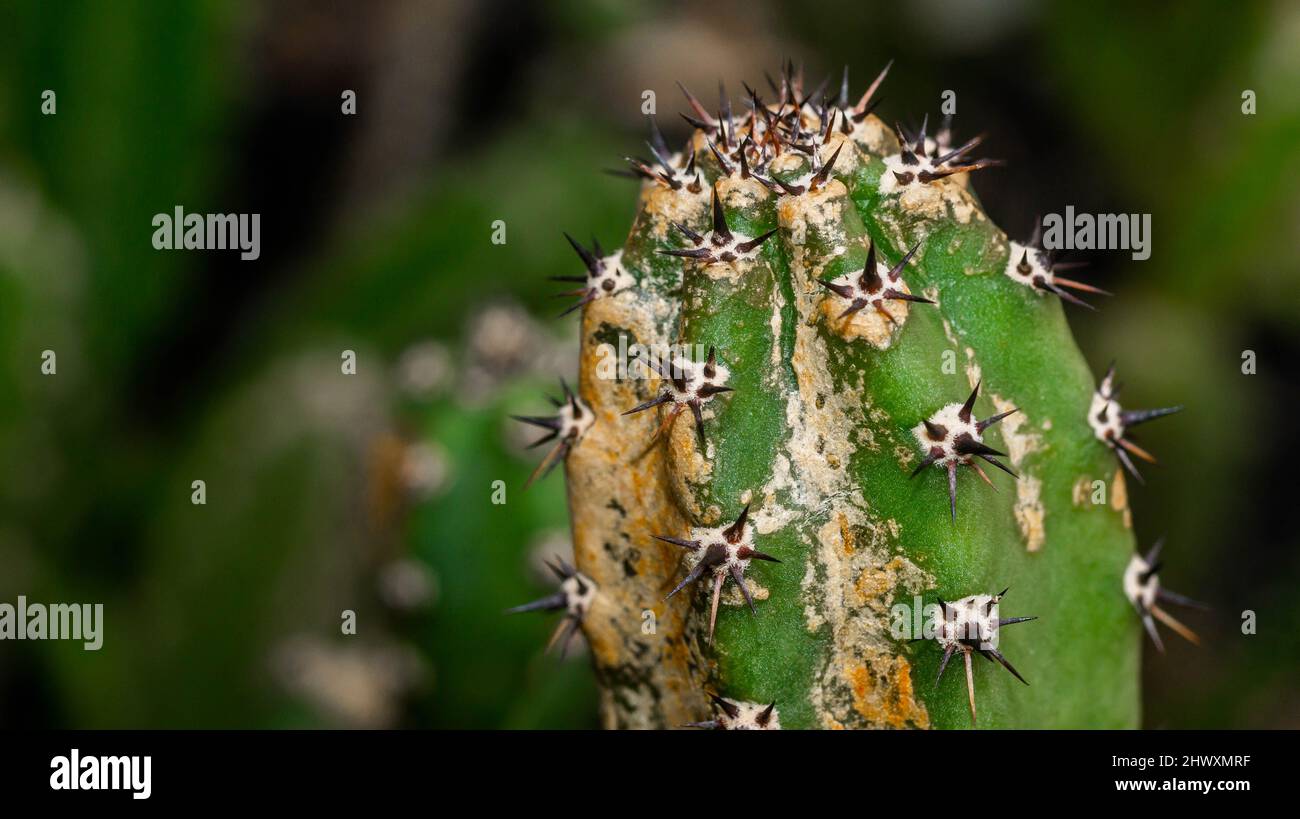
x=617 y=501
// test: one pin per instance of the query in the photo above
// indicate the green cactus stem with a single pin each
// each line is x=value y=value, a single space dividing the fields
x=857 y=341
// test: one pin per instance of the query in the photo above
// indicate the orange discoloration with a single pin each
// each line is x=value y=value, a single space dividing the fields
x=907 y=703
x=619 y=499
x=876 y=585
x=883 y=694
x=387 y=454
x=846 y=536
x=1119 y=498
x=871 y=585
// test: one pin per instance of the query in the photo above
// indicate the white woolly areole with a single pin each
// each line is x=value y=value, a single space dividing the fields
x=575 y=419
x=579 y=592
x=869 y=132
x=691 y=374
x=725 y=250
x=610 y=278
x=950 y=420
x=692 y=182
x=853 y=281
x=1141 y=595
x=748 y=718
x=968 y=619
x=1026 y=265
x=1104 y=414
x=710 y=535
x=825 y=150
x=894 y=163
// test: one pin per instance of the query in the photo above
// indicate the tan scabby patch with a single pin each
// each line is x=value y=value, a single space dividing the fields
x=618 y=499
x=864 y=681
x=660 y=207
x=974 y=375
x=1017 y=431
x=855 y=564
x=820 y=210
x=872 y=136
x=789 y=161
x=691 y=467
x=1030 y=512
x=849 y=158
x=932 y=200
x=1081 y=490
x=741 y=194
x=731 y=595
x=732 y=271
x=1119 y=498
x=1022 y=439
x=819 y=410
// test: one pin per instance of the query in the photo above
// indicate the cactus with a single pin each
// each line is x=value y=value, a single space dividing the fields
x=810 y=343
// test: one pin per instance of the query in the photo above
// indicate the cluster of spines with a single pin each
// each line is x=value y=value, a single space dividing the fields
x=733 y=715
x=1111 y=424
x=952 y=438
x=605 y=275
x=571 y=421
x=1038 y=268
x=970 y=625
x=577 y=591
x=721 y=555
x=922 y=160
x=872 y=289
x=685 y=384
x=672 y=175
x=720 y=245
x=1143 y=589
x=746 y=146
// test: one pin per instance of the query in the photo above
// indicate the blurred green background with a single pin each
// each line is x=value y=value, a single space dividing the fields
x=372 y=492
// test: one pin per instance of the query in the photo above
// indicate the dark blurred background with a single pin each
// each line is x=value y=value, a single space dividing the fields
x=372 y=492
